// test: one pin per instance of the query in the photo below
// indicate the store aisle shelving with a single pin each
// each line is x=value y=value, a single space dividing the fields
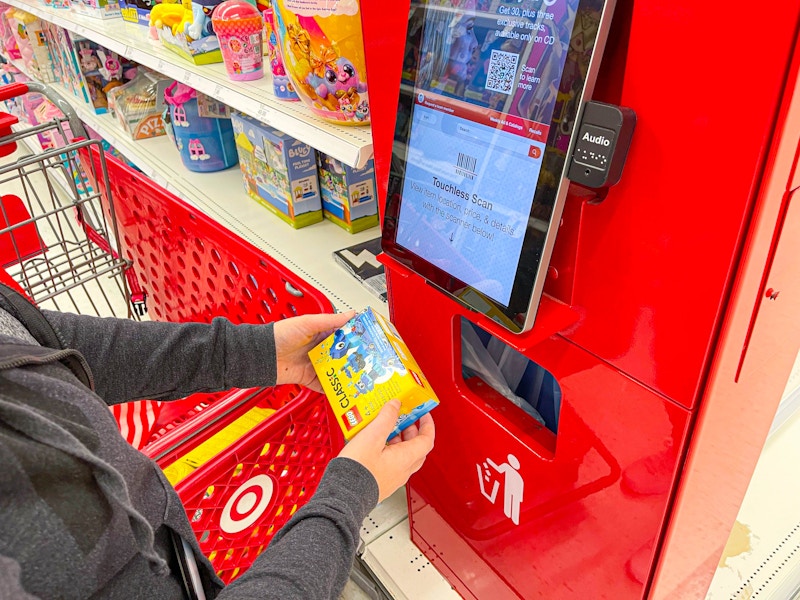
x=351 y=145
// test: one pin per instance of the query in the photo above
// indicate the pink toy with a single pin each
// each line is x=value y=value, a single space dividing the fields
x=239 y=29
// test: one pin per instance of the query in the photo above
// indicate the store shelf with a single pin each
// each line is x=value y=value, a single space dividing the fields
x=221 y=196
x=351 y=145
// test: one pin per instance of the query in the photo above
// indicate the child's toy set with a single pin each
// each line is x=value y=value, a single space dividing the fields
x=101 y=71
x=239 y=28
x=205 y=143
x=281 y=85
x=28 y=31
x=10 y=48
x=364 y=365
x=100 y=9
x=136 y=11
x=185 y=28
x=348 y=194
x=279 y=171
x=136 y=107
x=323 y=50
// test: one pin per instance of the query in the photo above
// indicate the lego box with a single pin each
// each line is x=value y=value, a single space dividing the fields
x=364 y=365
x=279 y=171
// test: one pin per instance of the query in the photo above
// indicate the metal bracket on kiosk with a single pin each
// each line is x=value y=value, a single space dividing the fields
x=601 y=146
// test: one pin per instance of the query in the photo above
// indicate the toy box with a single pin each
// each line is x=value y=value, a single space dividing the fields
x=365 y=364
x=99 y=9
x=101 y=70
x=135 y=105
x=185 y=28
x=65 y=60
x=279 y=171
x=348 y=194
x=32 y=43
x=136 y=11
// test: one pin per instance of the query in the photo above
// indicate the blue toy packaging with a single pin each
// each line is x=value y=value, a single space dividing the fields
x=348 y=194
x=279 y=171
x=364 y=365
x=206 y=144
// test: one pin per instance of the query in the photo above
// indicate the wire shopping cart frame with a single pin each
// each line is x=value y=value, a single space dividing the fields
x=56 y=240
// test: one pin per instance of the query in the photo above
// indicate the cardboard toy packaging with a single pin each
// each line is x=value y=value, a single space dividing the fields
x=348 y=194
x=364 y=365
x=279 y=171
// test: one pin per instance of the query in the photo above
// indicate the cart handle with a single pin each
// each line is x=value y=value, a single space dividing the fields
x=13 y=90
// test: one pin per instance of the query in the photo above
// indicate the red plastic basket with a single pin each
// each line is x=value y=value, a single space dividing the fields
x=194 y=270
x=240 y=497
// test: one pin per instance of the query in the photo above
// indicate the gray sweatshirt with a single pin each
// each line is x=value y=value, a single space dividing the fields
x=85 y=515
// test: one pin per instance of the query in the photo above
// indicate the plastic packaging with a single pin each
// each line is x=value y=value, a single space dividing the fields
x=239 y=29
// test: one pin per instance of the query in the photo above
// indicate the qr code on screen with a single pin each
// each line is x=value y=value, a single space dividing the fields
x=502 y=70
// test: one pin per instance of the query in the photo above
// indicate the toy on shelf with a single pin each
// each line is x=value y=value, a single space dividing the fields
x=136 y=106
x=281 y=85
x=10 y=46
x=323 y=51
x=101 y=70
x=136 y=11
x=99 y=9
x=65 y=60
x=239 y=29
x=28 y=31
x=348 y=194
x=279 y=171
x=205 y=143
x=186 y=29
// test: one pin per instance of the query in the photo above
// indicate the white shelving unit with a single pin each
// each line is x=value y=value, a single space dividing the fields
x=221 y=196
x=351 y=145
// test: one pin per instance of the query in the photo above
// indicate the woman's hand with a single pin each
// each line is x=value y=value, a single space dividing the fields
x=393 y=463
x=294 y=338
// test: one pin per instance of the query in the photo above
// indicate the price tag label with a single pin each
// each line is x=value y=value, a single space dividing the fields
x=263 y=114
x=186 y=76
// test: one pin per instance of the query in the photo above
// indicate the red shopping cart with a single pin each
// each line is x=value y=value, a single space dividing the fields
x=245 y=461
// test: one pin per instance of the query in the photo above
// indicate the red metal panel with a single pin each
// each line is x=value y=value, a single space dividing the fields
x=591 y=509
x=654 y=258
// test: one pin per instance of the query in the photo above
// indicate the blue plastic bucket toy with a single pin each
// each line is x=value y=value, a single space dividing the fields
x=205 y=143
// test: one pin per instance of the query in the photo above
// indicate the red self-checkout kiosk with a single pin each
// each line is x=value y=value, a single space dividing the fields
x=659 y=325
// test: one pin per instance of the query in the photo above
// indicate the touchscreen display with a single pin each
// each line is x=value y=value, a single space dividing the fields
x=487 y=108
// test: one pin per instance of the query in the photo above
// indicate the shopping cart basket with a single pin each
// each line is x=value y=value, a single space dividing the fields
x=242 y=462
x=55 y=239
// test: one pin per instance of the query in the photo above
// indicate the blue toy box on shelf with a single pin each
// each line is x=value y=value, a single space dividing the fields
x=205 y=143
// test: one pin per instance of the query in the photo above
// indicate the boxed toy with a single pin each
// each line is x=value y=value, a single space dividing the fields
x=185 y=28
x=279 y=171
x=101 y=70
x=136 y=107
x=348 y=194
x=99 y=9
x=364 y=365
x=32 y=43
x=136 y=11
x=65 y=60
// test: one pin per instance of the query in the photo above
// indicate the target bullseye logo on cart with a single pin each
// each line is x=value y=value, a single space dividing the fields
x=247 y=504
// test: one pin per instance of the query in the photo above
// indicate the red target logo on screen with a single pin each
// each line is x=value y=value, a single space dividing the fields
x=247 y=504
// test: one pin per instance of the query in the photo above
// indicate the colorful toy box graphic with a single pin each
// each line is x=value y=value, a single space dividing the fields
x=348 y=194
x=65 y=60
x=102 y=70
x=28 y=31
x=279 y=171
x=99 y=9
x=136 y=11
x=365 y=364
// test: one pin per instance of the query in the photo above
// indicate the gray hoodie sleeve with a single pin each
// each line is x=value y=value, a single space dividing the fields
x=311 y=556
x=131 y=360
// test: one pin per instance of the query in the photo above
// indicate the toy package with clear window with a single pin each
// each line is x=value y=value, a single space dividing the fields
x=365 y=364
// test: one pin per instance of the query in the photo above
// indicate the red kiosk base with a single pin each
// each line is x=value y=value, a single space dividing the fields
x=660 y=326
